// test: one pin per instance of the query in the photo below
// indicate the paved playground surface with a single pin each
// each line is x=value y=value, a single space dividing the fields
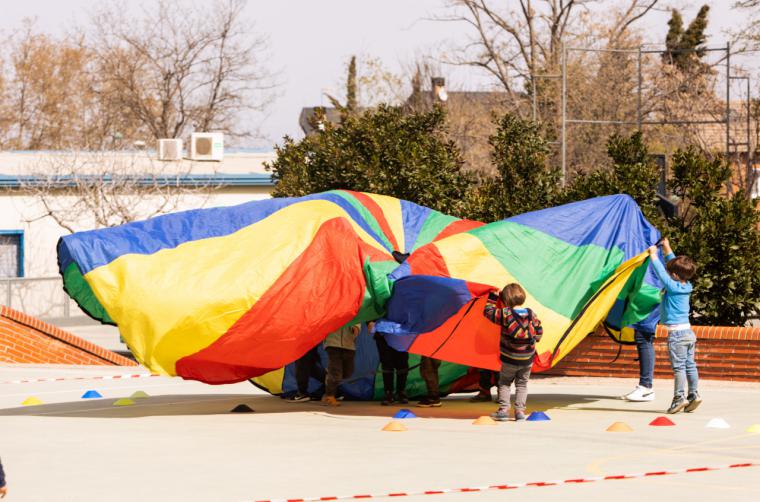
x=182 y=443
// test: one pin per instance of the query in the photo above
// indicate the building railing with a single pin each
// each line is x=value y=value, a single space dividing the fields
x=41 y=297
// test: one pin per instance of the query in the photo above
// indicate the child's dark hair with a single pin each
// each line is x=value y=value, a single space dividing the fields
x=682 y=267
x=513 y=295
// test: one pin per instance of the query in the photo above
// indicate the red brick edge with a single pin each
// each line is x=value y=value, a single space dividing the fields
x=749 y=333
x=723 y=353
x=65 y=337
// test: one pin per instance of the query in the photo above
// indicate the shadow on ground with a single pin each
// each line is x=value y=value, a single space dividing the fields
x=219 y=404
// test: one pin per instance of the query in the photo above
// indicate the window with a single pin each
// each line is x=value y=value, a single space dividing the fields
x=11 y=253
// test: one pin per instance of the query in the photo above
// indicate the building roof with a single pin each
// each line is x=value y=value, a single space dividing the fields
x=189 y=180
x=19 y=168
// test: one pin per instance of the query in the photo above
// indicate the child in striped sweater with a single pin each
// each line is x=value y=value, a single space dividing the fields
x=520 y=331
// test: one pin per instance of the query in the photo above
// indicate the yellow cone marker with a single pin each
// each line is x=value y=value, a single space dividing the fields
x=394 y=426
x=484 y=420
x=139 y=395
x=619 y=427
x=31 y=401
x=755 y=428
x=123 y=402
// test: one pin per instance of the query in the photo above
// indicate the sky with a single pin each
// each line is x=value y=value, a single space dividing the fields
x=311 y=41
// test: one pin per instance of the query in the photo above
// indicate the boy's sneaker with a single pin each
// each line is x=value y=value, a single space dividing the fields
x=388 y=399
x=501 y=415
x=298 y=398
x=429 y=402
x=678 y=404
x=640 y=394
x=401 y=398
x=694 y=401
x=481 y=397
x=330 y=401
x=519 y=415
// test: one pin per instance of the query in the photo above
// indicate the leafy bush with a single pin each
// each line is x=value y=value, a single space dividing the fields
x=525 y=181
x=720 y=232
x=633 y=172
x=383 y=151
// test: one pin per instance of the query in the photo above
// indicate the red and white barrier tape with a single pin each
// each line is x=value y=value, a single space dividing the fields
x=97 y=377
x=513 y=486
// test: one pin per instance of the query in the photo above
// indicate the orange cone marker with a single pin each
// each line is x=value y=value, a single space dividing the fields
x=619 y=427
x=394 y=426
x=484 y=420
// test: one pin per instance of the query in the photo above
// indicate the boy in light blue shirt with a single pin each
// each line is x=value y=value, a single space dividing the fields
x=674 y=314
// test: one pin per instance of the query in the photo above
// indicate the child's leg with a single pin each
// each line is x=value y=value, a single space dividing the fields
x=402 y=372
x=521 y=388
x=348 y=362
x=692 y=376
x=506 y=376
x=334 y=371
x=645 y=349
x=383 y=350
x=678 y=352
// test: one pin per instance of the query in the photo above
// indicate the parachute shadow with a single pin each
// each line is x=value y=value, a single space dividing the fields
x=455 y=407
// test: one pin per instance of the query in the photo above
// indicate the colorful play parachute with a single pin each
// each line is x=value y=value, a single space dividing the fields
x=227 y=294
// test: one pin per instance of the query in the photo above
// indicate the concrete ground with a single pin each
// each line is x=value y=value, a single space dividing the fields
x=182 y=444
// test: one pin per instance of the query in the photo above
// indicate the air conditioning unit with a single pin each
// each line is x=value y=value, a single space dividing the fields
x=169 y=149
x=207 y=146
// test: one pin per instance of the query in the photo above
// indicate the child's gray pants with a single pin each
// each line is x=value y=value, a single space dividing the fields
x=518 y=374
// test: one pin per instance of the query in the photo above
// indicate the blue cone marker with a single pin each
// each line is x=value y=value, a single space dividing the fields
x=404 y=413
x=538 y=416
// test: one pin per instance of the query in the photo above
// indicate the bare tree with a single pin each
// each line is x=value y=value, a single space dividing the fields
x=47 y=101
x=519 y=42
x=178 y=67
x=105 y=188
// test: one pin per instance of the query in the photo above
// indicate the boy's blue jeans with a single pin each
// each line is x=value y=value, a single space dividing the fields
x=645 y=348
x=681 y=349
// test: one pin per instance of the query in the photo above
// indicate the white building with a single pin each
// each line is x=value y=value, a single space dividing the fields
x=28 y=239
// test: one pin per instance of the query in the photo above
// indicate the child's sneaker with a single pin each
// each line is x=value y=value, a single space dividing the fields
x=298 y=398
x=694 y=401
x=388 y=399
x=519 y=415
x=678 y=404
x=640 y=394
x=481 y=397
x=330 y=401
x=501 y=415
x=429 y=402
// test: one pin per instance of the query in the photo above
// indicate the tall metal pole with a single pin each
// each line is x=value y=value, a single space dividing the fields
x=564 y=114
x=728 y=99
x=535 y=99
x=750 y=177
x=638 y=95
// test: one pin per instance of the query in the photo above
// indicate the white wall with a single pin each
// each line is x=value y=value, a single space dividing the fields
x=41 y=236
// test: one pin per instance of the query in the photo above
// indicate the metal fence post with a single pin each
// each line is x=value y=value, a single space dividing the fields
x=564 y=114
x=638 y=95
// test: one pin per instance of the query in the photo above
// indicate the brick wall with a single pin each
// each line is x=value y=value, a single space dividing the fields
x=26 y=339
x=723 y=353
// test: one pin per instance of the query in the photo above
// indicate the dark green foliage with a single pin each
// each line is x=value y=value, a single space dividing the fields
x=408 y=156
x=383 y=151
x=720 y=233
x=525 y=181
x=684 y=49
x=633 y=172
